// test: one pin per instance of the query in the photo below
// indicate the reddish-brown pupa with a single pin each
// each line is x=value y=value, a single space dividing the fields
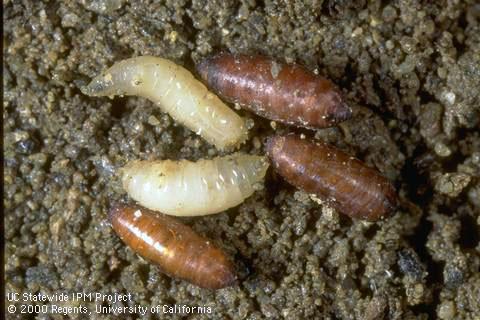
x=175 y=247
x=355 y=189
x=282 y=92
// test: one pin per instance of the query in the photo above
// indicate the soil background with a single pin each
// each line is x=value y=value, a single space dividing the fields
x=409 y=69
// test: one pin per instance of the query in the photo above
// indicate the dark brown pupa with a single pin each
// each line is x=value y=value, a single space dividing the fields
x=354 y=189
x=175 y=247
x=286 y=93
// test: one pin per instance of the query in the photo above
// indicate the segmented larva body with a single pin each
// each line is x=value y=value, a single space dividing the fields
x=185 y=188
x=282 y=92
x=354 y=189
x=175 y=91
x=176 y=248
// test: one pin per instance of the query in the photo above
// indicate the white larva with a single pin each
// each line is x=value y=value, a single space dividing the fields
x=175 y=91
x=185 y=188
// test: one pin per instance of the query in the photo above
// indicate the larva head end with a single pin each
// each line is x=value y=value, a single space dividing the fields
x=127 y=172
x=85 y=90
x=99 y=86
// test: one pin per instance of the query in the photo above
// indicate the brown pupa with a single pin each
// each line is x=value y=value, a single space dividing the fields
x=175 y=247
x=354 y=189
x=286 y=93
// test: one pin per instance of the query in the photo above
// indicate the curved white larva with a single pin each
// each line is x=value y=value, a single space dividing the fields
x=185 y=188
x=177 y=92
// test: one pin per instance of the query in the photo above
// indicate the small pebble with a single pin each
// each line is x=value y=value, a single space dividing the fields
x=442 y=150
x=452 y=184
x=447 y=310
x=152 y=120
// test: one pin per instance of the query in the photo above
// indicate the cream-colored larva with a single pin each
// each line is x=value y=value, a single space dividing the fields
x=185 y=188
x=177 y=92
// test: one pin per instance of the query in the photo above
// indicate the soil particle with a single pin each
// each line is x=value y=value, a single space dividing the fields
x=452 y=184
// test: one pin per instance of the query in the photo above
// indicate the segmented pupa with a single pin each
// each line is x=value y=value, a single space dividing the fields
x=282 y=92
x=175 y=91
x=355 y=189
x=175 y=247
x=185 y=188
